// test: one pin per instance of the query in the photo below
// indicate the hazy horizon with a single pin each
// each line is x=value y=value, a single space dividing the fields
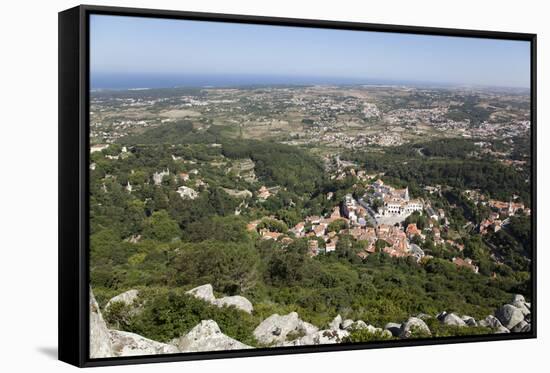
x=135 y=52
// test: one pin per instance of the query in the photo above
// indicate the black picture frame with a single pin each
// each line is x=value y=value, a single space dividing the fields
x=74 y=84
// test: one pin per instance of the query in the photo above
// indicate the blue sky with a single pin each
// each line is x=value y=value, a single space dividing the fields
x=132 y=45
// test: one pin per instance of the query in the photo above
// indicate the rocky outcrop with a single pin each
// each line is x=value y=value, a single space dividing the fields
x=522 y=327
x=327 y=336
x=337 y=331
x=207 y=336
x=451 y=319
x=127 y=298
x=100 y=342
x=236 y=301
x=414 y=327
x=130 y=344
x=276 y=329
x=470 y=321
x=509 y=316
x=493 y=323
x=490 y=322
x=514 y=317
x=206 y=293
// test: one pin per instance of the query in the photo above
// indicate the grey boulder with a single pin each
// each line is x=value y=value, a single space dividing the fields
x=127 y=298
x=490 y=322
x=206 y=293
x=509 y=316
x=521 y=327
x=452 y=319
x=207 y=336
x=518 y=298
x=276 y=328
x=236 y=301
x=469 y=320
x=412 y=327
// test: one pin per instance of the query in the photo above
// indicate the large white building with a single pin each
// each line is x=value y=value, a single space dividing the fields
x=396 y=202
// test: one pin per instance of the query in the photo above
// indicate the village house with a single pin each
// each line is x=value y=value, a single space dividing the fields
x=184 y=176
x=263 y=193
x=395 y=237
x=98 y=147
x=158 y=176
x=286 y=240
x=313 y=219
x=268 y=235
x=335 y=213
x=508 y=208
x=187 y=193
x=298 y=229
x=412 y=230
x=331 y=245
x=319 y=230
x=431 y=189
x=313 y=246
x=431 y=213
x=490 y=225
x=253 y=225
x=465 y=263
x=350 y=207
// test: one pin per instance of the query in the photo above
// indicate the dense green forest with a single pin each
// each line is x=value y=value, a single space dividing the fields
x=447 y=162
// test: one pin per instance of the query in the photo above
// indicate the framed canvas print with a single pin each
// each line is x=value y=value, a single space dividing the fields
x=232 y=186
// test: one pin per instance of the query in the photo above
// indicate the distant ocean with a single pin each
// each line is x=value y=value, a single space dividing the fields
x=140 y=81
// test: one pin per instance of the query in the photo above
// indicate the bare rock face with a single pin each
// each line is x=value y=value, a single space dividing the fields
x=509 y=316
x=452 y=319
x=413 y=326
x=276 y=328
x=206 y=293
x=127 y=298
x=207 y=336
x=100 y=343
x=130 y=344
